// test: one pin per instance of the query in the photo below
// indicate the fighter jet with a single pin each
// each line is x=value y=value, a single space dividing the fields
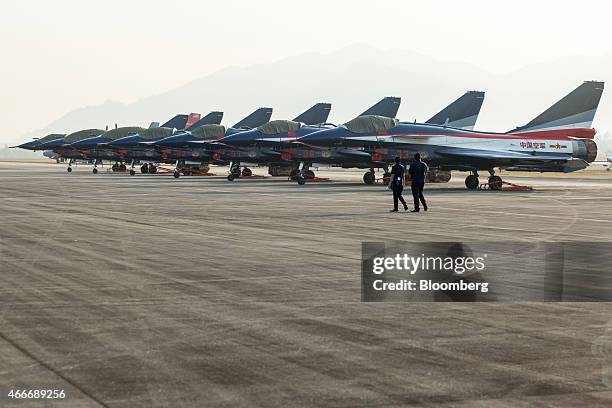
x=94 y=148
x=133 y=149
x=184 y=146
x=253 y=146
x=559 y=139
x=274 y=145
x=195 y=145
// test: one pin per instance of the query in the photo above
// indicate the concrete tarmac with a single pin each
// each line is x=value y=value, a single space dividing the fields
x=149 y=291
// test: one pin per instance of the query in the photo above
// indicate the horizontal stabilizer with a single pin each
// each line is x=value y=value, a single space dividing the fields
x=576 y=110
x=213 y=118
x=462 y=113
x=255 y=119
x=315 y=115
x=387 y=107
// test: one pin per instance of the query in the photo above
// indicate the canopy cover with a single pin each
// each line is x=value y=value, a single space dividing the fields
x=156 y=133
x=52 y=136
x=82 y=134
x=118 y=133
x=371 y=124
x=279 y=126
x=209 y=131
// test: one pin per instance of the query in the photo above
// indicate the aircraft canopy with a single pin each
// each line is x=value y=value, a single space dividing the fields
x=279 y=126
x=118 y=133
x=82 y=134
x=156 y=133
x=209 y=131
x=371 y=124
x=52 y=136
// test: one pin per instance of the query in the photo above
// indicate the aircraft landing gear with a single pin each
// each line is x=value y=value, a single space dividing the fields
x=369 y=177
x=246 y=172
x=94 y=171
x=495 y=182
x=234 y=172
x=144 y=169
x=303 y=173
x=152 y=168
x=471 y=181
x=69 y=169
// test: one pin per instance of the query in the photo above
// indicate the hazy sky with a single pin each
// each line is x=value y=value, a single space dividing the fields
x=64 y=54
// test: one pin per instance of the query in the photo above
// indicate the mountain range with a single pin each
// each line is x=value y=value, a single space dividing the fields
x=352 y=79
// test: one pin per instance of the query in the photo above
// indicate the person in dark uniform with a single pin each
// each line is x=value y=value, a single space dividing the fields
x=417 y=171
x=398 y=173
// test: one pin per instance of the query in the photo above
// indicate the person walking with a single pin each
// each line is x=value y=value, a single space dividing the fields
x=418 y=170
x=396 y=183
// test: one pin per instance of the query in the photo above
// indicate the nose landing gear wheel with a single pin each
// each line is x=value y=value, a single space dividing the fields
x=231 y=177
x=471 y=182
x=495 y=183
x=177 y=174
x=94 y=171
x=369 y=177
x=69 y=169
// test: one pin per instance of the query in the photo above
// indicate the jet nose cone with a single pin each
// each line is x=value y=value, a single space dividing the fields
x=29 y=145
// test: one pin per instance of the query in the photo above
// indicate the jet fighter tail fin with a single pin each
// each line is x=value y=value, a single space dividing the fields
x=462 y=113
x=191 y=119
x=213 y=118
x=315 y=115
x=176 y=122
x=255 y=119
x=387 y=107
x=576 y=110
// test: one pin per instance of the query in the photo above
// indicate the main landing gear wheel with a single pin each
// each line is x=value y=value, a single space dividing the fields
x=495 y=183
x=69 y=169
x=152 y=169
x=132 y=172
x=301 y=180
x=94 y=171
x=144 y=169
x=369 y=177
x=115 y=167
x=308 y=174
x=294 y=174
x=471 y=182
x=386 y=179
x=246 y=172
